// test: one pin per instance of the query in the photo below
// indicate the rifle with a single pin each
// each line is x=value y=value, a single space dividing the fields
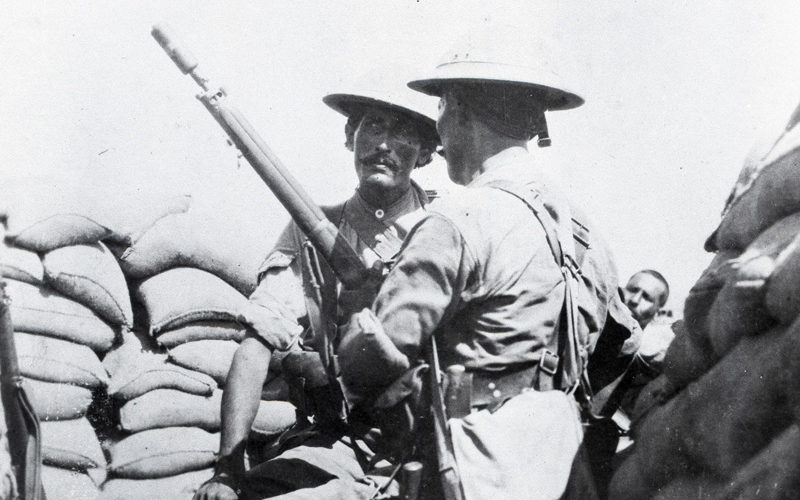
x=24 y=442
x=309 y=217
x=324 y=236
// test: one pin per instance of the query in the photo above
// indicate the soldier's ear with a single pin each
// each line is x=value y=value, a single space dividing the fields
x=425 y=156
x=349 y=134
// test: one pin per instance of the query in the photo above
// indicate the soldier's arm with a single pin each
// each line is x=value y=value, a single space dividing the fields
x=270 y=325
x=422 y=289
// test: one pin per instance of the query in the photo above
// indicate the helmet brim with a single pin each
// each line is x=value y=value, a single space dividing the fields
x=555 y=97
x=349 y=104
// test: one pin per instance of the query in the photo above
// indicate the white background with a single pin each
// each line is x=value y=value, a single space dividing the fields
x=677 y=92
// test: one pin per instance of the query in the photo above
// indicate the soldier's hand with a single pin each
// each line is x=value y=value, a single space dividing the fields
x=214 y=490
x=356 y=299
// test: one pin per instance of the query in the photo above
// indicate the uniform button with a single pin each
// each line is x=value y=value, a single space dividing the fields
x=496 y=394
x=379 y=213
x=491 y=386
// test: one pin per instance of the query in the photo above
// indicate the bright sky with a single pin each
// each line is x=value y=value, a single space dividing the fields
x=676 y=93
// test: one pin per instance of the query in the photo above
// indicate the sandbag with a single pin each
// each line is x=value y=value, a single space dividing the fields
x=690 y=488
x=704 y=292
x=63 y=484
x=178 y=487
x=212 y=357
x=772 y=474
x=205 y=239
x=185 y=295
x=42 y=311
x=90 y=275
x=21 y=265
x=201 y=330
x=171 y=408
x=739 y=308
x=782 y=298
x=55 y=360
x=722 y=420
x=165 y=452
x=132 y=344
x=71 y=444
x=70 y=212
x=146 y=372
x=52 y=401
x=688 y=356
x=767 y=190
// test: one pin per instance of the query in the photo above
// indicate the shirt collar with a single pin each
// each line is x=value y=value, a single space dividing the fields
x=412 y=199
x=510 y=164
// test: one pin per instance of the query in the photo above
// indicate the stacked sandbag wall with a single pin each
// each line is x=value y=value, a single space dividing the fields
x=722 y=421
x=145 y=377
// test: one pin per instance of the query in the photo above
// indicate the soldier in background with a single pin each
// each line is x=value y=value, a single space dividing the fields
x=645 y=294
x=493 y=276
x=297 y=305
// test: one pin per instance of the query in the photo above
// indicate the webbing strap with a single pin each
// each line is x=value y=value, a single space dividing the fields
x=565 y=344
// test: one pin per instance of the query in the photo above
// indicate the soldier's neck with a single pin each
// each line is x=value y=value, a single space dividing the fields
x=382 y=198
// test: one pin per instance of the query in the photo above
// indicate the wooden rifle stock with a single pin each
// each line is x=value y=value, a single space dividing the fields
x=309 y=217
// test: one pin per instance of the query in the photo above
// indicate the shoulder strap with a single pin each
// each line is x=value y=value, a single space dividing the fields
x=569 y=357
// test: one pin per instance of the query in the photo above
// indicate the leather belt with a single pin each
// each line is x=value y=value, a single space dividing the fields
x=483 y=389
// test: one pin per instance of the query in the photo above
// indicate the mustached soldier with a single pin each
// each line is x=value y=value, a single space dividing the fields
x=511 y=284
x=296 y=307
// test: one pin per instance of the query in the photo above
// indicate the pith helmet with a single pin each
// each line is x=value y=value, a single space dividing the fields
x=502 y=57
x=386 y=89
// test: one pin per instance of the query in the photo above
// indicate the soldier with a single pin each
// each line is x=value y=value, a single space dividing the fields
x=297 y=301
x=645 y=294
x=509 y=281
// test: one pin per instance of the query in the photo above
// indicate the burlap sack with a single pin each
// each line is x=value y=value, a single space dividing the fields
x=170 y=408
x=53 y=401
x=782 y=298
x=185 y=295
x=704 y=292
x=201 y=330
x=89 y=274
x=695 y=488
x=165 y=452
x=71 y=444
x=55 y=360
x=722 y=420
x=21 y=265
x=225 y=245
x=63 y=484
x=772 y=474
x=179 y=487
x=71 y=213
x=767 y=190
x=739 y=308
x=42 y=311
x=212 y=357
x=688 y=356
x=133 y=343
x=146 y=372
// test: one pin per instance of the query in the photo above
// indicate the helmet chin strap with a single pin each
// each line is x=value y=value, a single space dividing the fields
x=543 y=140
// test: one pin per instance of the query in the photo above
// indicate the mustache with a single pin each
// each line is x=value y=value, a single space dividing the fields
x=379 y=157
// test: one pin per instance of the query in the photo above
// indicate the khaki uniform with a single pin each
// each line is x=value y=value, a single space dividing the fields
x=479 y=275
x=325 y=463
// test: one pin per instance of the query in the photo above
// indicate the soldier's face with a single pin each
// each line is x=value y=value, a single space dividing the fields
x=387 y=147
x=644 y=295
x=455 y=146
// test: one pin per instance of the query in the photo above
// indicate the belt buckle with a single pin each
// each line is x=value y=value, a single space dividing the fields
x=548 y=362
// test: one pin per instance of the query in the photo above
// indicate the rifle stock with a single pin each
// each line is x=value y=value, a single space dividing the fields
x=309 y=217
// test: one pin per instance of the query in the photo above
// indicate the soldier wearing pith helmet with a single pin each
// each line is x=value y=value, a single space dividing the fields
x=508 y=280
x=298 y=304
